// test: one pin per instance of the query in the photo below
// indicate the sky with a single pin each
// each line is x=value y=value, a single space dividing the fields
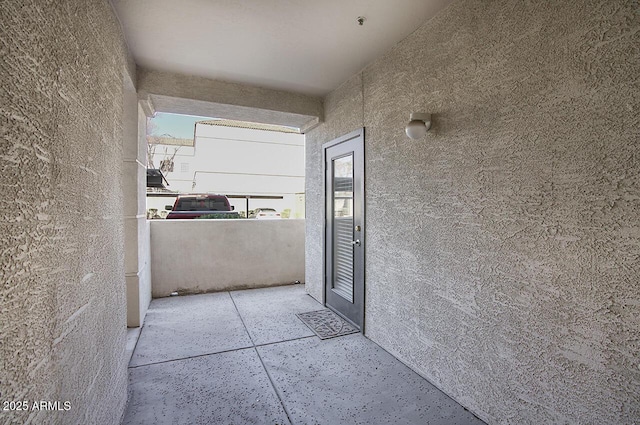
x=179 y=126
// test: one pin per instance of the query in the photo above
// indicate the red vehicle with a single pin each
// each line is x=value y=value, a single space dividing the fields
x=194 y=206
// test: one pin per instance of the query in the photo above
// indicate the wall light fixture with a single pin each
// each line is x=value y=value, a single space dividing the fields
x=418 y=125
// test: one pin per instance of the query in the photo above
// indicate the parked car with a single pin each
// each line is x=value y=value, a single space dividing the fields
x=263 y=213
x=196 y=205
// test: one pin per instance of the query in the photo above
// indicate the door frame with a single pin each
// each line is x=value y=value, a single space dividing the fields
x=359 y=133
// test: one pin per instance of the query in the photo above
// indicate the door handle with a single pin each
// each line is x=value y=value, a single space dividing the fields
x=356 y=242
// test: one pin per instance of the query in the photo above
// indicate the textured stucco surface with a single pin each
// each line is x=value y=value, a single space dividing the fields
x=195 y=256
x=137 y=258
x=62 y=289
x=503 y=249
x=192 y=95
x=343 y=114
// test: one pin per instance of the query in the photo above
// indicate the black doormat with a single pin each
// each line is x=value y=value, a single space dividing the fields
x=326 y=324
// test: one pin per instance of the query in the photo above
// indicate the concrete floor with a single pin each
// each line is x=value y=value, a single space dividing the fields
x=243 y=357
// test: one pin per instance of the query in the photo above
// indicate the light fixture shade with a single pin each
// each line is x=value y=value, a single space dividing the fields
x=416 y=129
x=419 y=124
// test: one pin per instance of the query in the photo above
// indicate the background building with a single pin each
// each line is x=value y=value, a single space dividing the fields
x=237 y=159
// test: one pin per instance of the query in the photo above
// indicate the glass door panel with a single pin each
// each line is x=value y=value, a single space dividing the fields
x=343 y=227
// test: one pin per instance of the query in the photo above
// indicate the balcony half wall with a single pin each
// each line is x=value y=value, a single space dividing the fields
x=195 y=256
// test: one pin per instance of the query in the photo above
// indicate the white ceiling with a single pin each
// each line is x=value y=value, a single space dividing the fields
x=304 y=46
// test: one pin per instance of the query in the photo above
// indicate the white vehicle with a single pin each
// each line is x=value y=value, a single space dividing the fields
x=264 y=213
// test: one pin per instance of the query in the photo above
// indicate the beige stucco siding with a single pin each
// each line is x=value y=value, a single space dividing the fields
x=62 y=279
x=503 y=249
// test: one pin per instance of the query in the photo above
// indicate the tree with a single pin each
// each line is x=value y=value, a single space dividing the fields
x=167 y=162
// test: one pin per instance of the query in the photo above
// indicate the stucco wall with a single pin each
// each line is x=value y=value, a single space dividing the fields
x=192 y=95
x=193 y=256
x=137 y=258
x=62 y=289
x=343 y=114
x=503 y=249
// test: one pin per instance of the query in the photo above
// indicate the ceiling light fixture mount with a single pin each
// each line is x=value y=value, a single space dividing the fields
x=418 y=126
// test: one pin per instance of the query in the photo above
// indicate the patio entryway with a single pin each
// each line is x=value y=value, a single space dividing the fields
x=243 y=357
